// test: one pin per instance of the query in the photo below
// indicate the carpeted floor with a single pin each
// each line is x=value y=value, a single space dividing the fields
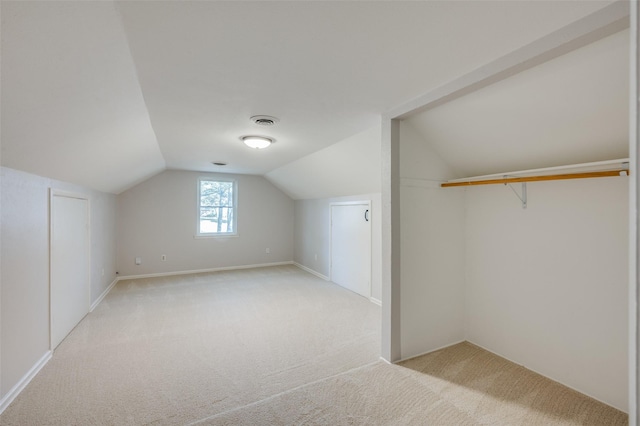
x=273 y=346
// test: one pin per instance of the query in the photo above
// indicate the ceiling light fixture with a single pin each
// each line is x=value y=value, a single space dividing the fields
x=218 y=163
x=257 y=142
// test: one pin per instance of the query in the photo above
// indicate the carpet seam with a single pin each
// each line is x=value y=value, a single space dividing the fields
x=251 y=404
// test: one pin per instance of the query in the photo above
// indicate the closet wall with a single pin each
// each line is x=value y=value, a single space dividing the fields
x=432 y=249
x=545 y=286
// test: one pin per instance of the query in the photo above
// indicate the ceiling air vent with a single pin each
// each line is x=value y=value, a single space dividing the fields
x=264 y=120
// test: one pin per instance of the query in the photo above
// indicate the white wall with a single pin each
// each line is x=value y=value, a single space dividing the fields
x=547 y=286
x=544 y=286
x=337 y=173
x=432 y=250
x=312 y=236
x=25 y=266
x=158 y=217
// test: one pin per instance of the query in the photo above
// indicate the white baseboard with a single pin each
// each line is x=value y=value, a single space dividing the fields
x=375 y=301
x=15 y=391
x=550 y=378
x=385 y=361
x=200 y=271
x=430 y=351
x=311 y=271
x=103 y=295
x=165 y=274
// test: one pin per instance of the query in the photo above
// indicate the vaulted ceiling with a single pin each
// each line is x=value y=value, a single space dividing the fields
x=573 y=109
x=106 y=94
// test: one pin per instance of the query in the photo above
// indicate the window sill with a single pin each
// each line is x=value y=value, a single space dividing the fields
x=207 y=237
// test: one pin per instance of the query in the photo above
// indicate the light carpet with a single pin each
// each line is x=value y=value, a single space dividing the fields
x=273 y=346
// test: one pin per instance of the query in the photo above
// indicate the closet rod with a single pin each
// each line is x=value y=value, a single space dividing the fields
x=506 y=180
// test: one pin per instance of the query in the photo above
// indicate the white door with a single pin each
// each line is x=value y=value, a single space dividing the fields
x=69 y=281
x=351 y=247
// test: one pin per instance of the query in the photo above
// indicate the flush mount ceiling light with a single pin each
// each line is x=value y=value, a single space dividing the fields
x=257 y=142
x=218 y=163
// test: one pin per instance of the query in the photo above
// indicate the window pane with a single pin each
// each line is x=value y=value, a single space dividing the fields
x=216 y=207
x=208 y=194
x=216 y=193
x=226 y=220
x=225 y=194
x=207 y=213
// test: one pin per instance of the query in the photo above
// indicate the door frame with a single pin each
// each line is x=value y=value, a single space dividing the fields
x=349 y=203
x=60 y=193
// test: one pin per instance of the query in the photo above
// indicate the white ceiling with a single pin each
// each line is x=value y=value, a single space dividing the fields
x=350 y=167
x=72 y=108
x=573 y=109
x=105 y=94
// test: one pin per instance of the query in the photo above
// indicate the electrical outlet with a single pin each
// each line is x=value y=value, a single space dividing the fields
x=316 y=256
x=138 y=260
x=267 y=250
x=103 y=272
x=163 y=258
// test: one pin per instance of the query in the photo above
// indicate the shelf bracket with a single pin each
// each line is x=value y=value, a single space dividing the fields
x=522 y=197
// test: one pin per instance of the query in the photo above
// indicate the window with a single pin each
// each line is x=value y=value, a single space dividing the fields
x=217 y=207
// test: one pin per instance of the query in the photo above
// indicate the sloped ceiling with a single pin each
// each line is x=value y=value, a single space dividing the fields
x=72 y=108
x=350 y=167
x=571 y=110
x=106 y=94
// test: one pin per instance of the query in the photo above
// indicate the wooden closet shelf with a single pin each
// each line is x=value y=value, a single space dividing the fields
x=506 y=180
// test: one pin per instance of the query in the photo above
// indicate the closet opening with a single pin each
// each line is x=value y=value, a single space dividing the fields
x=542 y=279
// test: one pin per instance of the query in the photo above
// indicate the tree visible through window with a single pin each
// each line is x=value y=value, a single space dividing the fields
x=216 y=207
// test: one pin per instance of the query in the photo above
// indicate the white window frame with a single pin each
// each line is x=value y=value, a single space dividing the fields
x=235 y=209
